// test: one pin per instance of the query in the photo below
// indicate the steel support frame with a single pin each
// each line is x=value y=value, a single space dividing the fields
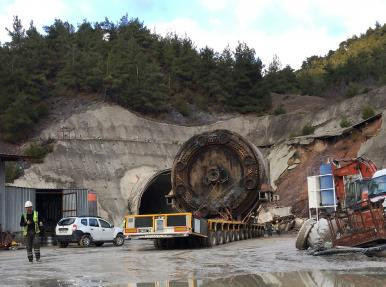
x=361 y=227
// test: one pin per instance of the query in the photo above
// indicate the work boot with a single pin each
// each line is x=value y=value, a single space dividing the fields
x=37 y=254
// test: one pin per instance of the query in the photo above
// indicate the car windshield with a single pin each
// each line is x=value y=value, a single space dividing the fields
x=377 y=186
x=66 y=221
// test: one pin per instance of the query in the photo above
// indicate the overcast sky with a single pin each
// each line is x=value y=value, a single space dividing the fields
x=291 y=29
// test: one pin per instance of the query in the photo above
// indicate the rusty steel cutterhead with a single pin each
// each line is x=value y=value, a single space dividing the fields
x=217 y=172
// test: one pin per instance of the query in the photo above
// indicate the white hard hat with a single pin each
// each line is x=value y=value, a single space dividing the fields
x=28 y=204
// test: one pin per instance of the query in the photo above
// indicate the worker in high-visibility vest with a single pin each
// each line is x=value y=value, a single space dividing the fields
x=31 y=224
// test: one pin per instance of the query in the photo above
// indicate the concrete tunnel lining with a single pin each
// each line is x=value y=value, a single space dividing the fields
x=152 y=198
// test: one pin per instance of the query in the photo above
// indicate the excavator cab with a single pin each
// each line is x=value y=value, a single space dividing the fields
x=377 y=187
x=356 y=192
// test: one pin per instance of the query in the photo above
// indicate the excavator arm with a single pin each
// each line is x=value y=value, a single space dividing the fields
x=365 y=168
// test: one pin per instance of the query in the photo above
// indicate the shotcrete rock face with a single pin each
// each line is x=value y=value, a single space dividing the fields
x=217 y=173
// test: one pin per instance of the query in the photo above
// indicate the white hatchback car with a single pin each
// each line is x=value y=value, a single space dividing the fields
x=87 y=230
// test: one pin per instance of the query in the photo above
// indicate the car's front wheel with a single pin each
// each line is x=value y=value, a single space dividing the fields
x=119 y=240
x=85 y=241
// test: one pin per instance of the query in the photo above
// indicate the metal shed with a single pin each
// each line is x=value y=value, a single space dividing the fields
x=3 y=158
x=52 y=205
x=15 y=197
x=2 y=193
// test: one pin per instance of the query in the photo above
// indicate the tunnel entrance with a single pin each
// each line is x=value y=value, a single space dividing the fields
x=153 y=199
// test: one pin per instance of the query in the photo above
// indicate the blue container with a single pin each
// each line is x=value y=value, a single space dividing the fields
x=327 y=197
x=325 y=169
x=326 y=182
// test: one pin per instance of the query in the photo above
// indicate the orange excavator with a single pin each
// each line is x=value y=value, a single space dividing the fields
x=351 y=177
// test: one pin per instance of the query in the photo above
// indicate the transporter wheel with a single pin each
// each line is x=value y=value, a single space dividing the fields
x=119 y=240
x=162 y=243
x=63 y=244
x=203 y=242
x=232 y=236
x=211 y=239
x=197 y=242
x=206 y=242
x=242 y=233
x=237 y=235
x=191 y=242
x=183 y=243
x=220 y=237
x=170 y=243
x=156 y=243
x=227 y=236
x=85 y=241
x=180 y=243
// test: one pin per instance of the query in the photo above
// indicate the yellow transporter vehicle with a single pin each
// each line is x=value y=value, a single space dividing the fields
x=175 y=230
x=219 y=180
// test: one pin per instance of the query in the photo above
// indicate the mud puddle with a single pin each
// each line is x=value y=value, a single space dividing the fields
x=357 y=278
x=271 y=261
x=353 y=278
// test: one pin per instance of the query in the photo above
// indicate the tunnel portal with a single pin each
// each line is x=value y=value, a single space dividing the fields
x=153 y=199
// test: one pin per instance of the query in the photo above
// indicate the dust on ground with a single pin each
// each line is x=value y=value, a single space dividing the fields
x=265 y=261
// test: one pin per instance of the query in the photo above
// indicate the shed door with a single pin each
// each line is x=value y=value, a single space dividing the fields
x=69 y=203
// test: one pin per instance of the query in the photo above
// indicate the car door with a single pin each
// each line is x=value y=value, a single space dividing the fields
x=95 y=229
x=107 y=230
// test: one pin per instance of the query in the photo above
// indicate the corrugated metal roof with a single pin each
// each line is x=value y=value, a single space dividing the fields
x=10 y=152
x=13 y=157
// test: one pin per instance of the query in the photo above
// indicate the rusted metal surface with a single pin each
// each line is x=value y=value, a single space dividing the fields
x=218 y=174
x=5 y=239
x=359 y=227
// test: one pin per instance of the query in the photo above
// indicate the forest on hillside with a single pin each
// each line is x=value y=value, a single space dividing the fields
x=127 y=64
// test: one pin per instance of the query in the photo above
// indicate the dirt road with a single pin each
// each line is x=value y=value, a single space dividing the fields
x=138 y=261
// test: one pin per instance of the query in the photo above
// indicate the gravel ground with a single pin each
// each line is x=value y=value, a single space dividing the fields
x=256 y=262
